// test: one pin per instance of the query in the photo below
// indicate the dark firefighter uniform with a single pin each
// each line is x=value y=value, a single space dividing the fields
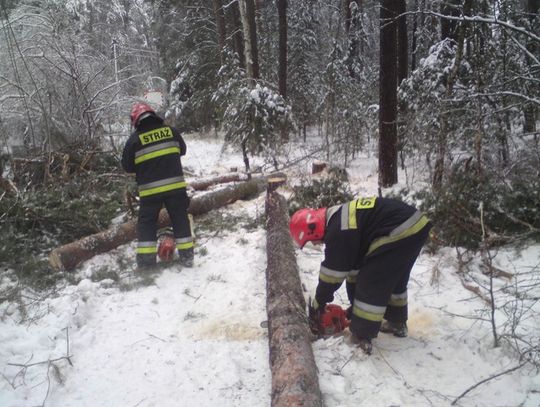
x=153 y=153
x=372 y=243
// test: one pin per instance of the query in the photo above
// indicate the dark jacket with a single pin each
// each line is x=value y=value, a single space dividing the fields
x=153 y=153
x=362 y=229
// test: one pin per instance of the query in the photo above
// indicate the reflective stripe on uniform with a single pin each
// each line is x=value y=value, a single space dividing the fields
x=346 y=217
x=164 y=185
x=148 y=153
x=398 y=300
x=351 y=277
x=146 y=248
x=408 y=228
x=332 y=276
x=370 y=312
x=348 y=211
x=184 y=243
x=352 y=215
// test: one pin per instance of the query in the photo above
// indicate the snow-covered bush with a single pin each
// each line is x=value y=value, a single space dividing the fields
x=502 y=207
x=37 y=219
x=254 y=116
x=345 y=107
x=331 y=189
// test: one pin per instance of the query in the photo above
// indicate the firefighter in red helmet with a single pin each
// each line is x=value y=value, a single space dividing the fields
x=372 y=244
x=153 y=153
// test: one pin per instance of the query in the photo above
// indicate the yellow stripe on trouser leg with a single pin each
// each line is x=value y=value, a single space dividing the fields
x=369 y=312
x=146 y=250
x=184 y=246
x=398 y=300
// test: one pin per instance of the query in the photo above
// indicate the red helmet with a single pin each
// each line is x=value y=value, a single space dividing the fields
x=138 y=110
x=307 y=225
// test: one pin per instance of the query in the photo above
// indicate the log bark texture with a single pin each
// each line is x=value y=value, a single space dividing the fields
x=205 y=183
x=294 y=372
x=69 y=256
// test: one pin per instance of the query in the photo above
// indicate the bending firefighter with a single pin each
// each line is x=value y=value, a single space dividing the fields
x=153 y=153
x=372 y=243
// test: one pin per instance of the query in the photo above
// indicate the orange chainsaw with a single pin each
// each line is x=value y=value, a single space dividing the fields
x=331 y=320
x=166 y=245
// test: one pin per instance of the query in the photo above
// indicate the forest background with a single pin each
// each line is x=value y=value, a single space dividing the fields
x=449 y=86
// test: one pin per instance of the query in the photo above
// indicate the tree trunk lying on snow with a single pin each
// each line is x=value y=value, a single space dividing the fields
x=67 y=257
x=205 y=183
x=294 y=373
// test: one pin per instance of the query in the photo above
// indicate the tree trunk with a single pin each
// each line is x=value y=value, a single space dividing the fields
x=294 y=372
x=238 y=40
x=530 y=110
x=247 y=15
x=67 y=257
x=388 y=95
x=220 y=27
x=353 y=12
x=442 y=137
x=403 y=44
x=448 y=27
x=205 y=183
x=282 y=69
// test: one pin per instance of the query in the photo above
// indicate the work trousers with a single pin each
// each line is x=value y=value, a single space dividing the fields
x=176 y=206
x=380 y=291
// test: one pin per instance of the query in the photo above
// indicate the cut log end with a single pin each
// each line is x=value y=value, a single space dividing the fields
x=317 y=167
x=55 y=261
x=275 y=183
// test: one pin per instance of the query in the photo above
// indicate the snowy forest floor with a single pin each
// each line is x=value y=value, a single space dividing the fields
x=193 y=337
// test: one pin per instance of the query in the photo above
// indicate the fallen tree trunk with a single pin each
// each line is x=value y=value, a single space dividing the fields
x=67 y=257
x=205 y=183
x=294 y=372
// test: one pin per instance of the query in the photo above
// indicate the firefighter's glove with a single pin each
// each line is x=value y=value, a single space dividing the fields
x=314 y=314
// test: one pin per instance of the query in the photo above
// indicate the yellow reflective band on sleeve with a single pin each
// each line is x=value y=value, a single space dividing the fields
x=398 y=300
x=159 y=153
x=331 y=278
x=146 y=250
x=417 y=227
x=184 y=246
x=351 y=279
x=352 y=215
x=164 y=188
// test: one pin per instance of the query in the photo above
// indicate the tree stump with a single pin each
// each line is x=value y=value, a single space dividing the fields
x=294 y=372
x=317 y=166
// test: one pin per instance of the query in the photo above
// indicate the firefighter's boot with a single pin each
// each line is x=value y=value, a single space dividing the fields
x=363 y=343
x=186 y=256
x=145 y=262
x=399 y=329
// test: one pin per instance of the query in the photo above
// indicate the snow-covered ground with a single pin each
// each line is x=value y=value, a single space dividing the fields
x=193 y=337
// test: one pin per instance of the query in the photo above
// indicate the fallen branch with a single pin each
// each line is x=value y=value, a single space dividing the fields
x=476 y=290
x=487 y=380
x=67 y=257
